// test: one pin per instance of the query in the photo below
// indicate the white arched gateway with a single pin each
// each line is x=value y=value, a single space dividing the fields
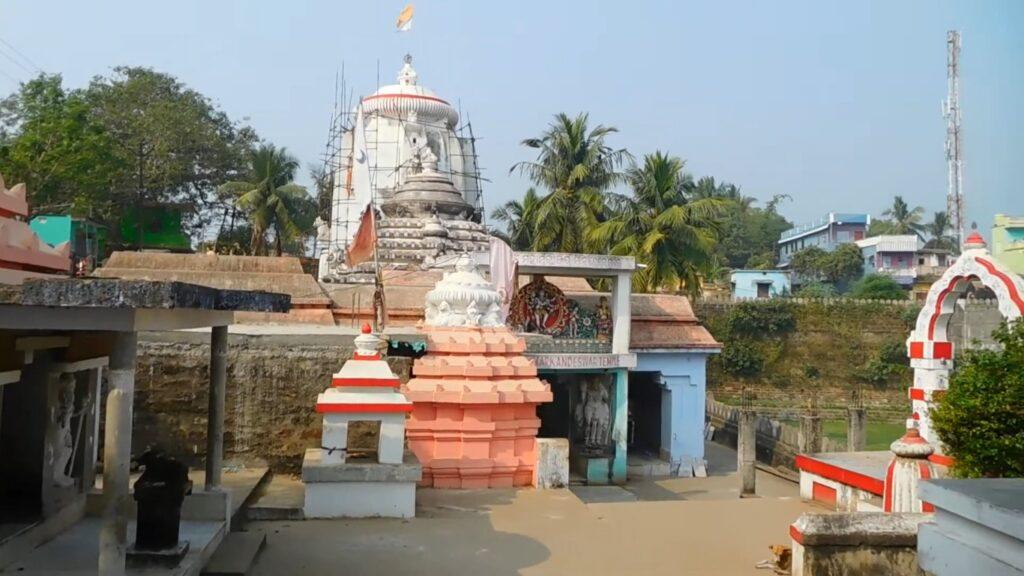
x=929 y=347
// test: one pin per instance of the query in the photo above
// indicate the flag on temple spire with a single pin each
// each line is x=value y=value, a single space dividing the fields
x=361 y=248
x=404 y=23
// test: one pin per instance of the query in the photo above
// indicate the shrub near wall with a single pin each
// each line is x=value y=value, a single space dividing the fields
x=784 y=349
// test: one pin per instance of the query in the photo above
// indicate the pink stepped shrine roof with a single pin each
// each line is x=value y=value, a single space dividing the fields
x=472 y=365
x=22 y=254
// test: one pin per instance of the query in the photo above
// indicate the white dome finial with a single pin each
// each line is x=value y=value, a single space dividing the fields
x=407 y=76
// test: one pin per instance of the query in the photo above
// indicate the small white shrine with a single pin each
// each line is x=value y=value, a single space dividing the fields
x=339 y=485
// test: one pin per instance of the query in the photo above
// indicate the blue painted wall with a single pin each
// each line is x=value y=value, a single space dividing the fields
x=744 y=282
x=684 y=379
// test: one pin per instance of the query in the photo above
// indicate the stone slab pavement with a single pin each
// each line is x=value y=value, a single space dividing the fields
x=677 y=526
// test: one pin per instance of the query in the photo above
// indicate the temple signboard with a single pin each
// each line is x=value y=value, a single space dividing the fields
x=583 y=361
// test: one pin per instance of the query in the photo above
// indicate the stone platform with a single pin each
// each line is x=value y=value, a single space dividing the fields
x=283 y=274
x=359 y=488
x=850 y=481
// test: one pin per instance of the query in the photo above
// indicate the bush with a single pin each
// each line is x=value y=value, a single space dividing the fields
x=758 y=319
x=878 y=287
x=816 y=290
x=741 y=359
x=980 y=419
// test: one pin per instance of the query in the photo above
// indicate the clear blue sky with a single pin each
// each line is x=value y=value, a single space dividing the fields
x=836 y=103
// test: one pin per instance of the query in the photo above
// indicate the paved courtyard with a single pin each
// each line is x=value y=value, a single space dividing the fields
x=671 y=526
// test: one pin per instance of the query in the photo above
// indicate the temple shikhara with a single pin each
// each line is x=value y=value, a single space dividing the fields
x=404 y=157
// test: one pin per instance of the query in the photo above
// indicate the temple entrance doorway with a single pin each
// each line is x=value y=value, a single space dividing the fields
x=645 y=404
x=22 y=448
x=581 y=411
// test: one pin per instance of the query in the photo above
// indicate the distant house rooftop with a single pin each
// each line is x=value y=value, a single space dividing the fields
x=893 y=243
x=823 y=223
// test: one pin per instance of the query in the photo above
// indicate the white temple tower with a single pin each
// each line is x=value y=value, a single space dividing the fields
x=393 y=131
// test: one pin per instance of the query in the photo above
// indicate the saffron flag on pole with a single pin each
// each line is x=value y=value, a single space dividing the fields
x=404 y=23
x=361 y=248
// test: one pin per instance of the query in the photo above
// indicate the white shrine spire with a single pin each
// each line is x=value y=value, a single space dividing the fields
x=407 y=76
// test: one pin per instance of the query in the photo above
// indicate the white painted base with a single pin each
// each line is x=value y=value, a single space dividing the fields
x=360 y=500
x=848 y=498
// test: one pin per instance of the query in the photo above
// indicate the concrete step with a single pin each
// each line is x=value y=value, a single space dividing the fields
x=236 y=554
x=281 y=498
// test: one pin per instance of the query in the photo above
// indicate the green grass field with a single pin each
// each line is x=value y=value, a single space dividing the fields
x=880 y=434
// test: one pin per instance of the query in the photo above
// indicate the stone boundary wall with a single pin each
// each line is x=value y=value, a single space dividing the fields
x=273 y=382
x=979 y=302
x=777 y=441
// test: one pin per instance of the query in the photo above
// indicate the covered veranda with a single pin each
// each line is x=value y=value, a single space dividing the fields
x=52 y=328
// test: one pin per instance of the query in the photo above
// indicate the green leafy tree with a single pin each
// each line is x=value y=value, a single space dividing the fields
x=837 y=267
x=979 y=418
x=520 y=220
x=272 y=201
x=810 y=264
x=173 y=144
x=575 y=165
x=878 y=287
x=50 y=141
x=672 y=235
x=844 y=264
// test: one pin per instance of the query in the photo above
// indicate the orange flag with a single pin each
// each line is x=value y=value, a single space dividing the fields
x=361 y=248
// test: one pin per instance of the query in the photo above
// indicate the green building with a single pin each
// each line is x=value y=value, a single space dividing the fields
x=154 y=227
x=1008 y=241
x=88 y=239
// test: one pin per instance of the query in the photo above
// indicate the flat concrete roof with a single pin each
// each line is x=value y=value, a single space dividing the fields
x=997 y=503
x=557 y=263
x=125 y=305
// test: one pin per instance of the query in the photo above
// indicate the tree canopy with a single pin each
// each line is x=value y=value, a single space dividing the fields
x=576 y=165
x=272 y=201
x=841 y=265
x=878 y=287
x=668 y=232
x=979 y=418
x=134 y=138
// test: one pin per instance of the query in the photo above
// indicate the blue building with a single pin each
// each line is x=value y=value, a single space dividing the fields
x=648 y=380
x=760 y=283
x=826 y=233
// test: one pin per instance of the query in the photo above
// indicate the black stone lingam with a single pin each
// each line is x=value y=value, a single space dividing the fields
x=159 y=493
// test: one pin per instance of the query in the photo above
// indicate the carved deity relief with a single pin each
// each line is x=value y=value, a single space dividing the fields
x=593 y=411
x=61 y=441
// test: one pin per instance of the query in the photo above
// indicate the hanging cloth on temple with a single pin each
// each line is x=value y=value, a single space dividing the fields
x=504 y=272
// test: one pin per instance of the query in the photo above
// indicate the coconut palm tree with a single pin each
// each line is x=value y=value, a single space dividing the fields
x=271 y=199
x=937 y=229
x=903 y=219
x=575 y=165
x=519 y=219
x=669 y=232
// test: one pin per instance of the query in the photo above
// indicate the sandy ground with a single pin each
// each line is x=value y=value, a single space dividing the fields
x=673 y=526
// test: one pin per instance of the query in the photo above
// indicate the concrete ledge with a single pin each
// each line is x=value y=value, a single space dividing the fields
x=315 y=471
x=114 y=293
x=861 y=529
x=996 y=503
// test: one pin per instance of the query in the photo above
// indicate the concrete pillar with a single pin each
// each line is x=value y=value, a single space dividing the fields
x=620 y=399
x=856 y=428
x=215 y=412
x=746 y=451
x=809 y=439
x=117 y=449
x=620 y=305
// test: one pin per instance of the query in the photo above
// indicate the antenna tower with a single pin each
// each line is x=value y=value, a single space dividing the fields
x=954 y=142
